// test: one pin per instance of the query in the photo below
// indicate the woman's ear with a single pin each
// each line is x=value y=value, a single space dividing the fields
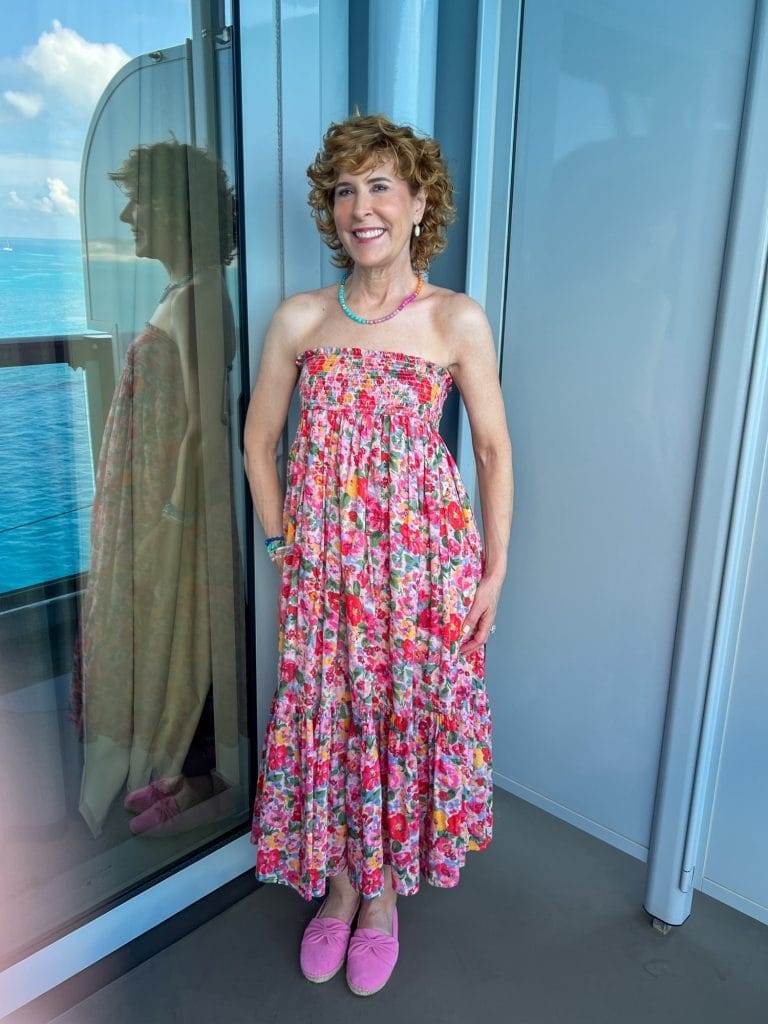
x=421 y=198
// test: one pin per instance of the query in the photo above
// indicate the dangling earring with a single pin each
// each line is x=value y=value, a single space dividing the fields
x=417 y=230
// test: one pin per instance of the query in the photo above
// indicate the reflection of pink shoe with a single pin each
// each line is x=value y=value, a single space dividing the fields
x=158 y=813
x=215 y=809
x=142 y=799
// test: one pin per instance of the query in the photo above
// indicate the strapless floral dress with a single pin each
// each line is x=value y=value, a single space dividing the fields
x=378 y=743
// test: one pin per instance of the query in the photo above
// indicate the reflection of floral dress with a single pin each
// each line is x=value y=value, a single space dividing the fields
x=143 y=664
x=378 y=745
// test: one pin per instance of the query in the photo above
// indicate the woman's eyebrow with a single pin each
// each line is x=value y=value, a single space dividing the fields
x=344 y=181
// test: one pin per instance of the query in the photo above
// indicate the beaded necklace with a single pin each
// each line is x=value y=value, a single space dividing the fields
x=379 y=319
x=172 y=285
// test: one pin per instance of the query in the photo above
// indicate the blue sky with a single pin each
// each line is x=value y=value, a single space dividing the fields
x=56 y=58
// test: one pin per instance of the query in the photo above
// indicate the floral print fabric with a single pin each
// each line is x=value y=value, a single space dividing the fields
x=378 y=744
x=142 y=666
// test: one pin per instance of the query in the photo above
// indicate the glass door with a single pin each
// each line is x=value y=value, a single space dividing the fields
x=123 y=734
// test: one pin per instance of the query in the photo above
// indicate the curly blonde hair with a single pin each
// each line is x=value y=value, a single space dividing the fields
x=362 y=141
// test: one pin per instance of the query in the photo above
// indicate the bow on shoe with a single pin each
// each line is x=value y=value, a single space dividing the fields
x=327 y=931
x=367 y=941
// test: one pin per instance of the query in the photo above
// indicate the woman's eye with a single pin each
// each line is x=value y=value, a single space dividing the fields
x=344 y=191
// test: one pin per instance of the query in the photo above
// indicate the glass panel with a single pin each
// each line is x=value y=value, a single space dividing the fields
x=123 y=742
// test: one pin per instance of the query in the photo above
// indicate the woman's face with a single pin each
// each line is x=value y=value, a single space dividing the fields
x=379 y=199
x=135 y=215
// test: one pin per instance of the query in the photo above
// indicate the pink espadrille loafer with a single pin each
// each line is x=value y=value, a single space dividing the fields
x=142 y=799
x=324 y=946
x=371 y=958
x=161 y=811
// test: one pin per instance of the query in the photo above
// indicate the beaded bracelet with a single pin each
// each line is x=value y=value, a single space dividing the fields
x=276 y=546
x=171 y=511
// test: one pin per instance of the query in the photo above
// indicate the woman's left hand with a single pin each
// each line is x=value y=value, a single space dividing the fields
x=481 y=616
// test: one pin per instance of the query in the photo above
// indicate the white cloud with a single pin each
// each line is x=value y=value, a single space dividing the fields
x=15 y=201
x=120 y=250
x=72 y=66
x=28 y=104
x=58 y=199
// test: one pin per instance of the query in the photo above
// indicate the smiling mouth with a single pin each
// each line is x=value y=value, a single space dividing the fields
x=369 y=238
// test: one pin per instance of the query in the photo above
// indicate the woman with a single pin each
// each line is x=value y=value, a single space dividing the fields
x=376 y=765
x=143 y=666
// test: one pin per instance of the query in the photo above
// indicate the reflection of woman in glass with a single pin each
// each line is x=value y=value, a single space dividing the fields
x=143 y=670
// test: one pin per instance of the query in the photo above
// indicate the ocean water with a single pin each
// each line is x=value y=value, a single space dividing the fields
x=46 y=462
x=41 y=287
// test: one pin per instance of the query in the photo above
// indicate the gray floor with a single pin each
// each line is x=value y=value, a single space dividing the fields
x=546 y=926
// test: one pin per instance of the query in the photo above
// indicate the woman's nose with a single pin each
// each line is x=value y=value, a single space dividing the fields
x=361 y=204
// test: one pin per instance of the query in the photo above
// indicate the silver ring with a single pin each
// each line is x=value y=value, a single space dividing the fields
x=492 y=630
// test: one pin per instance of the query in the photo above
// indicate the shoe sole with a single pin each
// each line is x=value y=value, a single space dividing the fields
x=368 y=992
x=323 y=977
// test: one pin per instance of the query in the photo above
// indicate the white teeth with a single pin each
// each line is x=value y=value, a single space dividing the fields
x=369 y=234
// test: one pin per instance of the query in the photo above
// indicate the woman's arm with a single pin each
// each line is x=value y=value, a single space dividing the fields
x=268 y=411
x=183 y=331
x=476 y=375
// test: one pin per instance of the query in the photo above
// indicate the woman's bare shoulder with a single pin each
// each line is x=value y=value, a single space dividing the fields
x=298 y=314
x=449 y=304
x=299 y=304
x=465 y=328
x=459 y=310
